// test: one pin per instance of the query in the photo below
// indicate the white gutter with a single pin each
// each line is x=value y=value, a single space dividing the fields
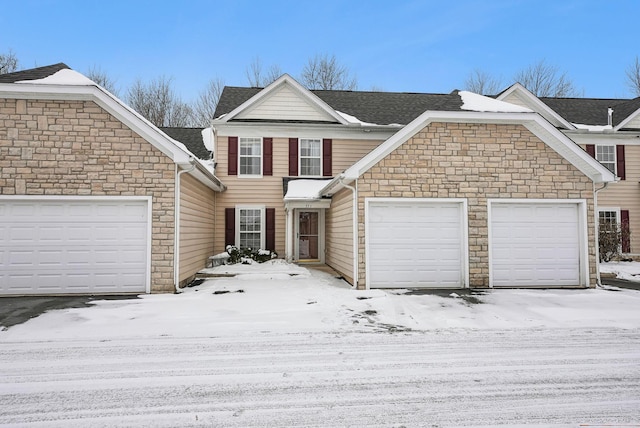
x=176 y=226
x=354 y=192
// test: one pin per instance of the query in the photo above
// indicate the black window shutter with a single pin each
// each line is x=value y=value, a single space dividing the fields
x=270 y=228
x=326 y=157
x=620 y=167
x=229 y=226
x=624 y=223
x=233 y=156
x=293 y=157
x=267 y=156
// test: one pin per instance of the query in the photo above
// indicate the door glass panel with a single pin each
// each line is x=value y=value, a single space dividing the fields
x=308 y=235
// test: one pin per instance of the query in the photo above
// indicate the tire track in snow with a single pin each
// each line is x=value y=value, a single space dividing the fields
x=452 y=377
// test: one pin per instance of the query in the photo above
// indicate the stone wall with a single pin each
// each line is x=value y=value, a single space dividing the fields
x=77 y=148
x=476 y=162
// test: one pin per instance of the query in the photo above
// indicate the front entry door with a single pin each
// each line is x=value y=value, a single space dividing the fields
x=308 y=235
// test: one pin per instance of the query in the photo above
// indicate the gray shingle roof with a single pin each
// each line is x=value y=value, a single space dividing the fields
x=32 y=73
x=592 y=111
x=190 y=137
x=381 y=108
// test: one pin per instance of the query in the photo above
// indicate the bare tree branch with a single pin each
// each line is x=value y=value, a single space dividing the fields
x=633 y=77
x=483 y=83
x=159 y=104
x=99 y=76
x=8 y=62
x=205 y=105
x=256 y=76
x=545 y=80
x=324 y=72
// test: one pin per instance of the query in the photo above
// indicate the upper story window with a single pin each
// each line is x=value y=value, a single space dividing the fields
x=310 y=157
x=606 y=155
x=250 y=156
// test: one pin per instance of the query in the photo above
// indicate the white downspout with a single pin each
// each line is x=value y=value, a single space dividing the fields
x=176 y=226
x=597 y=223
x=354 y=192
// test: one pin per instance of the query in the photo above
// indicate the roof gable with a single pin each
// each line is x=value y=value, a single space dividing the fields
x=284 y=100
x=518 y=94
x=532 y=121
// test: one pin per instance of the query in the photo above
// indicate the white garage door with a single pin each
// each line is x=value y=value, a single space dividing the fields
x=73 y=246
x=535 y=244
x=415 y=244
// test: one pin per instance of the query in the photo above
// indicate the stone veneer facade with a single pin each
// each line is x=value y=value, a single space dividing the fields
x=476 y=162
x=76 y=148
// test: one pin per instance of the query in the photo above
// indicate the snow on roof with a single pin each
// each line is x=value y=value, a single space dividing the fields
x=63 y=77
x=304 y=189
x=353 y=119
x=593 y=128
x=475 y=102
x=207 y=138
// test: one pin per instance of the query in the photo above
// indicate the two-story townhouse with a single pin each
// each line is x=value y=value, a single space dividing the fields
x=405 y=189
x=609 y=130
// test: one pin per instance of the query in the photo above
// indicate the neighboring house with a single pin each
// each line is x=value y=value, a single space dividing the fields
x=609 y=130
x=406 y=190
x=95 y=199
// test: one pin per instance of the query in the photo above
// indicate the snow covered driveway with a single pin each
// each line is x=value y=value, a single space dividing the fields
x=281 y=346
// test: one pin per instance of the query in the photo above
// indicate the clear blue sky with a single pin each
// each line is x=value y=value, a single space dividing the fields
x=411 y=46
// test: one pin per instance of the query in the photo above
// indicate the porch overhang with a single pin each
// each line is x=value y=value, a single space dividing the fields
x=306 y=203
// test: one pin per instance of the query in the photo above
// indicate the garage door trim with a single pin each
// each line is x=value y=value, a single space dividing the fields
x=72 y=198
x=463 y=225
x=582 y=230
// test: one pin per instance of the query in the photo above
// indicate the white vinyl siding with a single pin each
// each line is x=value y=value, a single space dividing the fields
x=74 y=246
x=250 y=156
x=310 y=154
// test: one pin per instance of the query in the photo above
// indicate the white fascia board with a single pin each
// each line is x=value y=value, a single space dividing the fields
x=604 y=138
x=295 y=130
x=301 y=90
x=107 y=101
x=532 y=121
x=534 y=103
x=627 y=120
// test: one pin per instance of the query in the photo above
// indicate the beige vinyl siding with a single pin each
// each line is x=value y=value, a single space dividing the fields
x=262 y=191
x=625 y=194
x=267 y=191
x=285 y=103
x=347 y=152
x=196 y=225
x=339 y=234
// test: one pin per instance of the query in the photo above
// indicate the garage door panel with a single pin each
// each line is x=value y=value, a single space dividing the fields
x=535 y=244
x=73 y=246
x=413 y=244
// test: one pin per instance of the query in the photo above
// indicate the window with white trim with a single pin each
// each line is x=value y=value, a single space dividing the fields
x=608 y=217
x=606 y=155
x=310 y=157
x=250 y=156
x=250 y=227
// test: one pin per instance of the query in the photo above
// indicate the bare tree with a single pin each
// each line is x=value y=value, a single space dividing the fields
x=205 y=105
x=546 y=80
x=324 y=72
x=258 y=78
x=8 y=62
x=633 y=77
x=483 y=83
x=99 y=76
x=159 y=104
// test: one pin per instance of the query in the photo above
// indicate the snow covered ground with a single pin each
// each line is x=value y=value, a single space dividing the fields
x=623 y=270
x=280 y=345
